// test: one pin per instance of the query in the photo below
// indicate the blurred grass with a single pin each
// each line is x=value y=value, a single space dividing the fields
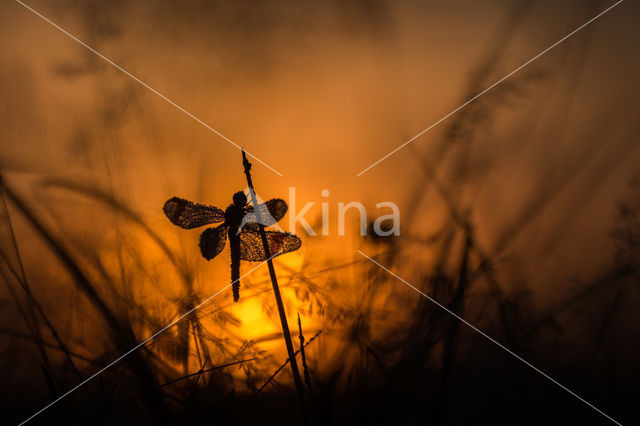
x=385 y=355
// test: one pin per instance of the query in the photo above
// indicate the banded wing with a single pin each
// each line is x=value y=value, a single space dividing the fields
x=267 y=214
x=252 y=249
x=212 y=241
x=277 y=208
x=188 y=215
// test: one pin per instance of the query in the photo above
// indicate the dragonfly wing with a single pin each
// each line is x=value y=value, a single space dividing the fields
x=277 y=208
x=212 y=241
x=188 y=215
x=252 y=249
x=266 y=214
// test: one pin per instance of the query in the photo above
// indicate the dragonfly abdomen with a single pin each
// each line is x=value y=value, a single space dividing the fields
x=234 y=243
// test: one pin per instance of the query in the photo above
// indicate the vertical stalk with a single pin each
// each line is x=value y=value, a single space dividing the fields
x=307 y=375
x=276 y=292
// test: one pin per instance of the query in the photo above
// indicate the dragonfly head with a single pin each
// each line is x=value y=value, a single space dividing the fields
x=239 y=199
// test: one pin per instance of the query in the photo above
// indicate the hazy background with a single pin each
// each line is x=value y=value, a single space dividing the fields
x=538 y=167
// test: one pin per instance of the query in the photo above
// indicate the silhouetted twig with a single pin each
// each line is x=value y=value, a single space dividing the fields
x=286 y=362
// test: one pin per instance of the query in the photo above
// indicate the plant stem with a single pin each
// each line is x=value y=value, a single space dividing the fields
x=276 y=291
x=307 y=375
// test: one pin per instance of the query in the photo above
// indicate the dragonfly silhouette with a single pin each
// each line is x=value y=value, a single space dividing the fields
x=241 y=224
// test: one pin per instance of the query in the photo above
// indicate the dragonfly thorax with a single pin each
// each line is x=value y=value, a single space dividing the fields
x=236 y=211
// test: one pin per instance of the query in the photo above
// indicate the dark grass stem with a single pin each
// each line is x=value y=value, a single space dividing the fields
x=276 y=291
x=307 y=374
x=275 y=373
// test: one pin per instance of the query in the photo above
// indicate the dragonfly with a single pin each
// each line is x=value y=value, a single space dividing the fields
x=240 y=225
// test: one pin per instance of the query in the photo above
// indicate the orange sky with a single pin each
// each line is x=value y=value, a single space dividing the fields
x=319 y=94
